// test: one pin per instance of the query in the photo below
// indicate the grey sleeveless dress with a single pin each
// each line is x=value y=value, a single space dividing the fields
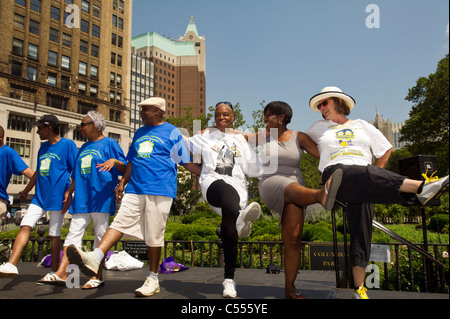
x=271 y=187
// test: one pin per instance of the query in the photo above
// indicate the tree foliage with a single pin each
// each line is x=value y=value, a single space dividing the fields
x=428 y=125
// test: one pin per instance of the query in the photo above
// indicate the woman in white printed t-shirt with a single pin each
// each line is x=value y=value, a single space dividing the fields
x=227 y=159
x=349 y=145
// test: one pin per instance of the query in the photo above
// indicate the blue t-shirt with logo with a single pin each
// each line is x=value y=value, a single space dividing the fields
x=94 y=190
x=10 y=163
x=55 y=164
x=154 y=155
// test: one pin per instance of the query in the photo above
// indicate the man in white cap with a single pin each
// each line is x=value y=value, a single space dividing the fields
x=151 y=179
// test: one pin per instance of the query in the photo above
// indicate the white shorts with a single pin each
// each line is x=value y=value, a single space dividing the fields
x=143 y=217
x=3 y=206
x=78 y=224
x=34 y=213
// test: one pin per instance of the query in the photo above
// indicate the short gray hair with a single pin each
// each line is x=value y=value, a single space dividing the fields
x=97 y=119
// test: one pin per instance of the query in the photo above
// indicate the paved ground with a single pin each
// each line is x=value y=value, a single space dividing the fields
x=198 y=283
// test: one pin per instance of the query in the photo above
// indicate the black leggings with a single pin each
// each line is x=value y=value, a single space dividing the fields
x=225 y=196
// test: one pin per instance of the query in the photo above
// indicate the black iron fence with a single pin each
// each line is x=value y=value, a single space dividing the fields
x=407 y=270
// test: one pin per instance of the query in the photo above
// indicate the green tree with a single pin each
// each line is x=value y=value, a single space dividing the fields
x=428 y=125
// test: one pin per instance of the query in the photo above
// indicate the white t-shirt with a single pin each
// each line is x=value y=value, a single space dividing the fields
x=352 y=143
x=226 y=157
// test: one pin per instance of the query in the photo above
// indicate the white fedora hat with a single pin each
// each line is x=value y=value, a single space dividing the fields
x=160 y=103
x=327 y=92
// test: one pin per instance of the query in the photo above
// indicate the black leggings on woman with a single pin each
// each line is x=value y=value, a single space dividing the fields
x=225 y=196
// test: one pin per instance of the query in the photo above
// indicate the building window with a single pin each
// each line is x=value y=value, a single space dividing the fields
x=83 y=46
x=96 y=11
x=66 y=40
x=119 y=98
x=119 y=60
x=114 y=20
x=94 y=50
x=119 y=80
x=51 y=79
x=84 y=107
x=16 y=68
x=112 y=78
x=113 y=39
x=114 y=136
x=77 y=136
x=34 y=27
x=95 y=31
x=84 y=26
x=19 y=123
x=19 y=21
x=31 y=73
x=85 y=6
x=33 y=51
x=120 y=23
x=57 y=101
x=22 y=147
x=54 y=13
x=65 y=82
x=54 y=35
x=65 y=62
x=17 y=46
x=121 y=5
x=93 y=90
x=81 y=87
x=113 y=58
x=114 y=115
x=119 y=41
x=112 y=96
x=21 y=2
x=82 y=68
x=52 y=58
x=94 y=72
x=35 y=6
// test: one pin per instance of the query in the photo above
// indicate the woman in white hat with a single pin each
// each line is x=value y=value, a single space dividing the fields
x=349 y=145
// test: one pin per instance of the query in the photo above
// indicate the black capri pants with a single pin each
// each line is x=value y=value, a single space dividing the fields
x=361 y=188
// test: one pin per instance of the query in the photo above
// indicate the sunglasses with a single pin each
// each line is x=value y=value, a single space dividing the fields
x=324 y=103
x=84 y=124
x=226 y=103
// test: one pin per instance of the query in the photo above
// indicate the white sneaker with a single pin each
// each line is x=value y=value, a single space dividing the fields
x=8 y=270
x=433 y=189
x=246 y=218
x=149 y=288
x=229 y=288
x=85 y=260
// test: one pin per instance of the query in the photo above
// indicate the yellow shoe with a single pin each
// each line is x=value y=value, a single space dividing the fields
x=360 y=293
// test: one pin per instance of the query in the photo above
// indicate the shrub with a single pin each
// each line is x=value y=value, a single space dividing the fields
x=438 y=223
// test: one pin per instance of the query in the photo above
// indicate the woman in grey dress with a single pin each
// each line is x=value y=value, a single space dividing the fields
x=283 y=189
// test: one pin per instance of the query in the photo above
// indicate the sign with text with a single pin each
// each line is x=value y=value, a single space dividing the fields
x=321 y=256
x=136 y=249
x=380 y=253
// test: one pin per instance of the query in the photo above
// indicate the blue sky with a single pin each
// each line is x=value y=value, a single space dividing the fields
x=288 y=50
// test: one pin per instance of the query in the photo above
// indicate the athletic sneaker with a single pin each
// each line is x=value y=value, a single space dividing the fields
x=246 y=218
x=149 y=288
x=8 y=270
x=360 y=293
x=433 y=189
x=86 y=261
x=229 y=288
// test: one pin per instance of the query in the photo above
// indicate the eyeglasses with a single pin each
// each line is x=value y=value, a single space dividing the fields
x=324 y=103
x=84 y=124
x=226 y=103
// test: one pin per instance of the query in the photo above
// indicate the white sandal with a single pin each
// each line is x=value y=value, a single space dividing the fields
x=51 y=279
x=93 y=284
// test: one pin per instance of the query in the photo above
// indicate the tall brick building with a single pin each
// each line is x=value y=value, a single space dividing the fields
x=63 y=57
x=179 y=68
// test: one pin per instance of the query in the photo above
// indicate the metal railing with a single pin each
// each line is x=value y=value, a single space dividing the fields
x=407 y=271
